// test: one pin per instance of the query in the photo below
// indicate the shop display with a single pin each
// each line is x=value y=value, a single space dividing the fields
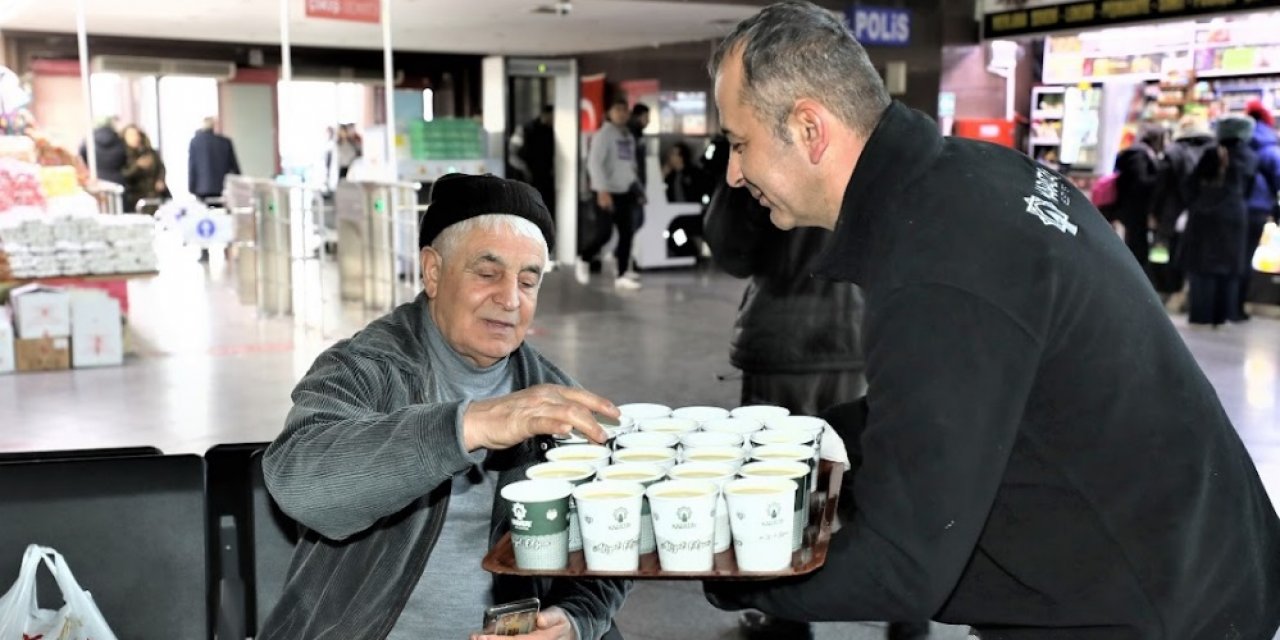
x=19 y=185
x=1080 y=124
x=47 y=245
x=1048 y=108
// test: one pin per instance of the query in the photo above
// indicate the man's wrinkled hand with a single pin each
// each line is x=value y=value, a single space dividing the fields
x=553 y=624
x=546 y=409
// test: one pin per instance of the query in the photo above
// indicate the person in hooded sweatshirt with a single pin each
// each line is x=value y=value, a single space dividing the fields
x=1191 y=139
x=1139 y=169
x=1266 y=185
x=1213 y=252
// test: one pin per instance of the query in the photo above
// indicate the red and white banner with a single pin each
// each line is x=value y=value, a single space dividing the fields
x=592 y=105
x=349 y=10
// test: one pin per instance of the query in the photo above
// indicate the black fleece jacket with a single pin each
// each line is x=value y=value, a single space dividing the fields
x=1041 y=455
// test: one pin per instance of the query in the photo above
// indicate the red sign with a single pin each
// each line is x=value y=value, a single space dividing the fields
x=349 y=10
x=591 y=109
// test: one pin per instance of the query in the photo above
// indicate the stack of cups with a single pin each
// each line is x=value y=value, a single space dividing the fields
x=809 y=426
x=791 y=437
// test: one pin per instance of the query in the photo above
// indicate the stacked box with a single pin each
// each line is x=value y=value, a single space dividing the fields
x=46 y=246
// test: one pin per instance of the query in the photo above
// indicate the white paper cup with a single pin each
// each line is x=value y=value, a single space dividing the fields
x=719 y=473
x=677 y=426
x=539 y=518
x=647 y=475
x=701 y=414
x=575 y=473
x=644 y=410
x=732 y=456
x=760 y=412
x=798 y=472
x=593 y=454
x=760 y=513
x=609 y=514
x=740 y=426
x=661 y=456
x=647 y=440
x=792 y=437
x=613 y=428
x=684 y=522
x=704 y=439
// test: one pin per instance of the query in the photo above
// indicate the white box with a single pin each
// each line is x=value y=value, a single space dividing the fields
x=6 y=343
x=41 y=311
x=97 y=337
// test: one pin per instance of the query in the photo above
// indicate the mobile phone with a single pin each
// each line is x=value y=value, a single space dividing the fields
x=513 y=618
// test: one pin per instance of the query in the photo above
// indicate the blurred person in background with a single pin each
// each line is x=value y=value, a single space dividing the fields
x=109 y=152
x=1173 y=198
x=143 y=172
x=611 y=167
x=1266 y=187
x=636 y=124
x=534 y=145
x=210 y=159
x=686 y=182
x=1213 y=248
x=1139 y=169
x=348 y=147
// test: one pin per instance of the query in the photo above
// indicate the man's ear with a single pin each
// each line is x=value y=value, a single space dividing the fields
x=811 y=123
x=432 y=267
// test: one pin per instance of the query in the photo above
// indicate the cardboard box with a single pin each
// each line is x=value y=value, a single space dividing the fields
x=6 y=342
x=97 y=334
x=42 y=354
x=41 y=312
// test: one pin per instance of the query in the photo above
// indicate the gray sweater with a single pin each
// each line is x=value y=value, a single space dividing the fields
x=611 y=162
x=365 y=464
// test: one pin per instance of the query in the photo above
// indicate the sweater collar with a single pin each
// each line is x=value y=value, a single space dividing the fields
x=903 y=145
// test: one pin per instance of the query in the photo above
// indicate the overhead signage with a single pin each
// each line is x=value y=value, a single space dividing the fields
x=1041 y=16
x=348 y=10
x=880 y=26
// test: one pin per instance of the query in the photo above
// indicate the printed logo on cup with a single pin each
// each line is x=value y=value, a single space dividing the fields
x=521 y=513
x=620 y=517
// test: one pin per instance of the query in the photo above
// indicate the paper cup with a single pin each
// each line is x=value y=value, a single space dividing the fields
x=575 y=473
x=593 y=454
x=539 y=516
x=644 y=410
x=740 y=426
x=677 y=426
x=647 y=475
x=732 y=456
x=719 y=473
x=700 y=414
x=661 y=456
x=642 y=439
x=609 y=514
x=759 y=511
x=798 y=472
x=614 y=428
x=704 y=439
x=684 y=522
x=792 y=437
x=760 y=412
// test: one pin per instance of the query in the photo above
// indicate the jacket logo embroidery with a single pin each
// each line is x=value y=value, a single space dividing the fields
x=1044 y=203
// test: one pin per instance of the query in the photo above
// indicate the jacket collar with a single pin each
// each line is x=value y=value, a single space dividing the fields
x=902 y=147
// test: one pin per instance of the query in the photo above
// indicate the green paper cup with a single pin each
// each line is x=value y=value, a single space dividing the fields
x=539 y=516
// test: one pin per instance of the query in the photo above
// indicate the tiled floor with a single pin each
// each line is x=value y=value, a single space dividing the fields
x=207 y=370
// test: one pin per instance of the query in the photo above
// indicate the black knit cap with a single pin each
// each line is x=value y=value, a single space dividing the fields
x=457 y=197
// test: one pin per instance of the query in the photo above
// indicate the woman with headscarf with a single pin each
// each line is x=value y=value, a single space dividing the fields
x=143 y=170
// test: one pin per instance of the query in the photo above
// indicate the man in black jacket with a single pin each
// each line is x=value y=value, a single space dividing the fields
x=1139 y=169
x=1039 y=455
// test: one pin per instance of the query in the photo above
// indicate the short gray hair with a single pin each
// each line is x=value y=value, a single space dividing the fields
x=793 y=50
x=449 y=239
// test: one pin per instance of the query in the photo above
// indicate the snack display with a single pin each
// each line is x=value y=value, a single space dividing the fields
x=38 y=245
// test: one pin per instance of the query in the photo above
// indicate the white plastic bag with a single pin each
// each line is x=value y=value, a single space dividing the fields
x=21 y=619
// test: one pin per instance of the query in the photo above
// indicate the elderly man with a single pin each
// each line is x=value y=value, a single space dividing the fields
x=1039 y=455
x=401 y=437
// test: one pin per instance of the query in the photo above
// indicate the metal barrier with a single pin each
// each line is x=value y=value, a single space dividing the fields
x=378 y=243
x=110 y=196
